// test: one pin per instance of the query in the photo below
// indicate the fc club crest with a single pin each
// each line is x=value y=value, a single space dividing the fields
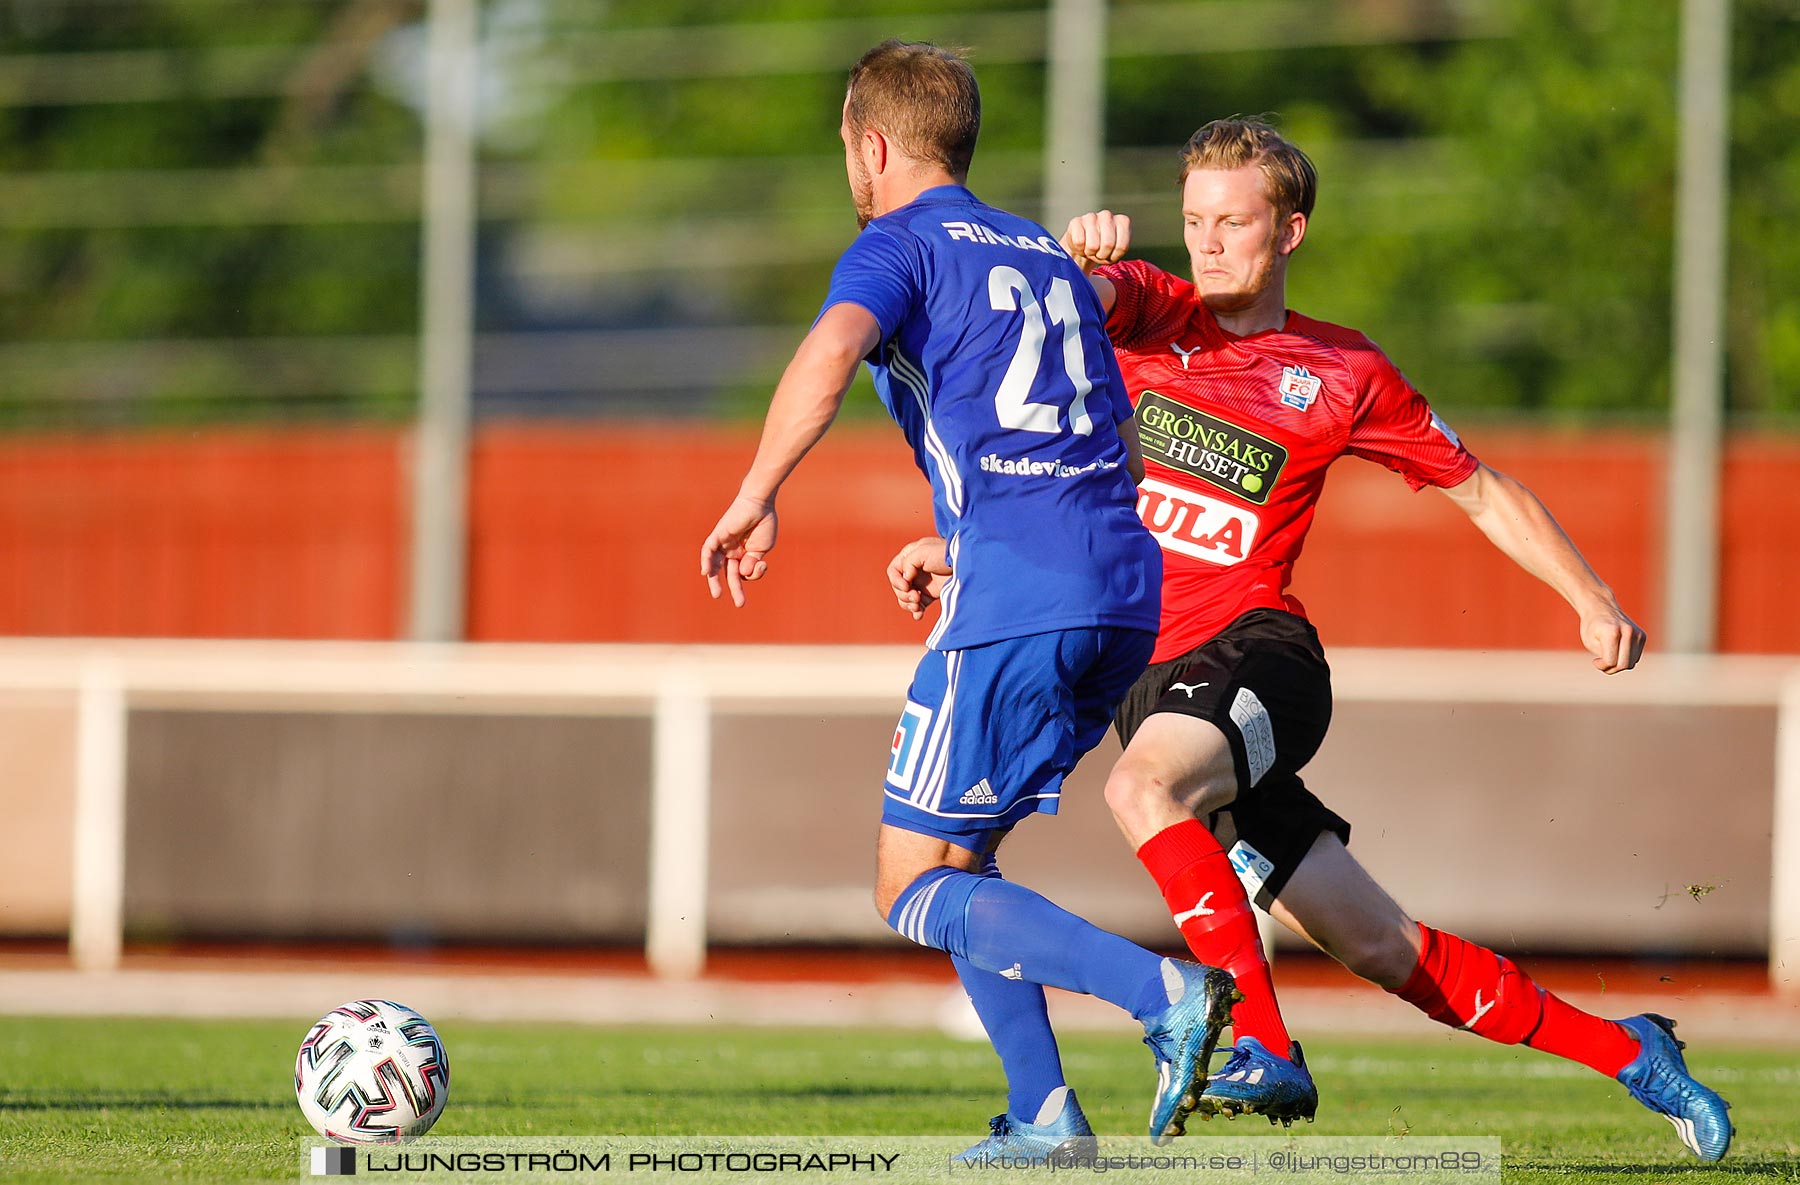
x=1298 y=387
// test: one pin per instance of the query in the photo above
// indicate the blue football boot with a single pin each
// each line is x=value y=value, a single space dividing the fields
x=1183 y=1037
x=1063 y=1137
x=1658 y=1078
x=1256 y=1082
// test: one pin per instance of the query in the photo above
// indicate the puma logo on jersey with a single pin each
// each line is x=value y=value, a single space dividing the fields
x=1185 y=354
x=1188 y=688
x=1013 y=972
x=980 y=794
x=1199 y=911
x=1481 y=1010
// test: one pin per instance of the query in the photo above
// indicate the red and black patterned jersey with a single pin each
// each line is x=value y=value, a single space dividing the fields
x=1238 y=433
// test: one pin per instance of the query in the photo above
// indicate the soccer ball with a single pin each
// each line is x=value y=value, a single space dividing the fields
x=372 y=1072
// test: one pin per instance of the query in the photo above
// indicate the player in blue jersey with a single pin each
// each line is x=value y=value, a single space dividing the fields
x=986 y=345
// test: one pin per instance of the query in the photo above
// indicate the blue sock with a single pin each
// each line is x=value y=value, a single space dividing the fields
x=1006 y=928
x=1018 y=1024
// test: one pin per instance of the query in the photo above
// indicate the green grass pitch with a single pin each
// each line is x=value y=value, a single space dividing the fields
x=150 y=1100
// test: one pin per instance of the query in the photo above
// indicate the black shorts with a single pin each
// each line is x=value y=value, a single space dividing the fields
x=1264 y=683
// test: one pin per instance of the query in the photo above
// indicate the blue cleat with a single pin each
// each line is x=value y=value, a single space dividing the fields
x=1256 y=1082
x=1658 y=1078
x=1062 y=1138
x=1183 y=1037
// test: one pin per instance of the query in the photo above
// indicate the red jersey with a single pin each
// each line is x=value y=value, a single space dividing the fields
x=1238 y=433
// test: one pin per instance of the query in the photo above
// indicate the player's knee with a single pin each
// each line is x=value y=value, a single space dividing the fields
x=1138 y=791
x=1131 y=789
x=888 y=890
x=890 y=883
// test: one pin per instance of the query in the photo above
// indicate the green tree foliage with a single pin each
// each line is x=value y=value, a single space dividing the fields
x=1498 y=210
x=1496 y=207
x=171 y=220
x=1763 y=327
x=1548 y=289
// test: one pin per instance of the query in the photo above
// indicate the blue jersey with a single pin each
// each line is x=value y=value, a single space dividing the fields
x=994 y=360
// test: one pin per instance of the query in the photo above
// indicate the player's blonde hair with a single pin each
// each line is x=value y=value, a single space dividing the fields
x=922 y=97
x=1292 y=182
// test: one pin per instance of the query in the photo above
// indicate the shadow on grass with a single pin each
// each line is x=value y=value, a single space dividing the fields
x=701 y=1097
x=138 y=1102
x=1757 y=1168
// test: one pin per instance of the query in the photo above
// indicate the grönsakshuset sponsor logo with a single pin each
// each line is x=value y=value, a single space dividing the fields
x=1236 y=460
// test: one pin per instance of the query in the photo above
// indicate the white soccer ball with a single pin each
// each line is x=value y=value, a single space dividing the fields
x=372 y=1072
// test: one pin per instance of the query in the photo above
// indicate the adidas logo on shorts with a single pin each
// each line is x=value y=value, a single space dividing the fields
x=980 y=794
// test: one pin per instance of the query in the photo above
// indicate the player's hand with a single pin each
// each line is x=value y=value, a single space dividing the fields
x=1095 y=239
x=736 y=550
x=917 y=574
x=1615 y=641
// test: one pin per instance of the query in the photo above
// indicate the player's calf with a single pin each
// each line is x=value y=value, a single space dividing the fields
x=1380 y=954
x=1470 y=987
x=1208 y=905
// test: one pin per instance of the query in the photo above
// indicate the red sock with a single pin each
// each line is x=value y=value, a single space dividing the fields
x=1470 y=987
x=1596 y=1043
x=1208 y=904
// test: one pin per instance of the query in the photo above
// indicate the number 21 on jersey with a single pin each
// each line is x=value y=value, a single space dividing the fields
x=1009 y=291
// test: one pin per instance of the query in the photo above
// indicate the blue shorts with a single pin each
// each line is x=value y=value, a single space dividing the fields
x=988 y=732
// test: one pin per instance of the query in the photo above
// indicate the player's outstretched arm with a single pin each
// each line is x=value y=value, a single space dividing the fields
x=1096 y=239
x=806 y=400
x=1515 y=520
x=916 y=574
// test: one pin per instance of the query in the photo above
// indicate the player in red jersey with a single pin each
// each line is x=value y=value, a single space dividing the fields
x=1242 y=405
